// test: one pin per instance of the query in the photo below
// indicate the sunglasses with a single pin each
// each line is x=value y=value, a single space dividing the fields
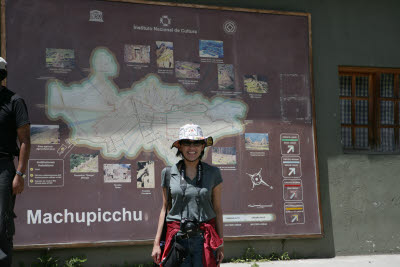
x=196 y=143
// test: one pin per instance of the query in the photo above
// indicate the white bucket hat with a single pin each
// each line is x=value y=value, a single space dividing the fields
x=3 y=64
x=192 y=132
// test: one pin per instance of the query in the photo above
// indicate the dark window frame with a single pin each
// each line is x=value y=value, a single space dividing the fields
x=375 y=101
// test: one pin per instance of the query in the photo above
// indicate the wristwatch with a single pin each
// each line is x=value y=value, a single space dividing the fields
x=21 y=174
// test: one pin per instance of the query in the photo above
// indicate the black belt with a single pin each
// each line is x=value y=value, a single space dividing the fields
x=189 y=235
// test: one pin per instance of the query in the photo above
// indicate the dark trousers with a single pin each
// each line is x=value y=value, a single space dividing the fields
x=7 y=201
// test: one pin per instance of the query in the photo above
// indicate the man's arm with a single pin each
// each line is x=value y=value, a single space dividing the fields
x=24 y=138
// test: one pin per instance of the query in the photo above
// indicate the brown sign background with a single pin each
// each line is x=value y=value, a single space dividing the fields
x=258 y=201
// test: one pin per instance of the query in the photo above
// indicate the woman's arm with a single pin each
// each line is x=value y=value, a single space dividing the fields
x=156 y=253
x=216 y=199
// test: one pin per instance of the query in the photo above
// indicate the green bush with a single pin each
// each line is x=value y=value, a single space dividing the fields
x=74 y=262
x=250 y=255
x=46 y=260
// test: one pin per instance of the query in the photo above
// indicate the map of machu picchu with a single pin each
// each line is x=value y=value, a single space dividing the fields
x=146 y=116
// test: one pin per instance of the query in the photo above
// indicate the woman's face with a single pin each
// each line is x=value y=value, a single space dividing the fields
x=191 y=149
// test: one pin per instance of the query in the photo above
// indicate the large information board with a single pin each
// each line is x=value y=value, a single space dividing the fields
x=109 y=83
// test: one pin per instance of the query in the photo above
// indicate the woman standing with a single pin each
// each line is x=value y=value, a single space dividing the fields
x=192 y=197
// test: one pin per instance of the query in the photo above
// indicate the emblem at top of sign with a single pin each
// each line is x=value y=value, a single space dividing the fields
x=165 y=21
x=230 y=27
x=96 y=16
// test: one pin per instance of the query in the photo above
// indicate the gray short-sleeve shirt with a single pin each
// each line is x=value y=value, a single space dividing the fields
x=211 y=177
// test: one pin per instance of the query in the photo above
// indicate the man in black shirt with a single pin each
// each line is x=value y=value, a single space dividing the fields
x=14 y=123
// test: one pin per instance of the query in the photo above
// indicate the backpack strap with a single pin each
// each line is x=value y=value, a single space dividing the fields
x=6 y=95
x=164 y=231
x=168 y=181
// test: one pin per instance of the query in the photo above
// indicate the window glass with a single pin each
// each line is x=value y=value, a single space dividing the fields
x=387 y=140
x=345 y=111
x=387 y=112
x=345 y=85
x=362 y=112
x=387 y=84
x=362 y=86
x=346 y=137
x=361 y=138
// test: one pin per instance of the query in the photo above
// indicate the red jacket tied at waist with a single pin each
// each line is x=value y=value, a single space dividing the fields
x=211 y=240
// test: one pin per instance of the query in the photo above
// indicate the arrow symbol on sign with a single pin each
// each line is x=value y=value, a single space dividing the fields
x=295 y=218
x=291 y=148
x=292 y=171
x=293 y=195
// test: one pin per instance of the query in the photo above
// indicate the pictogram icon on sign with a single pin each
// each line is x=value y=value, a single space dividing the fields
x=294 y=213
x=291 y=166
x=257 y=179
x=292 y=190
x=290 y=144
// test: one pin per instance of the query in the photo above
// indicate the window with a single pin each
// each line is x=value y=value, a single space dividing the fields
x=370 y=109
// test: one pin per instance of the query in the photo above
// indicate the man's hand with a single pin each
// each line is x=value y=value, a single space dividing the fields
x=18 y=184
x=24 y=138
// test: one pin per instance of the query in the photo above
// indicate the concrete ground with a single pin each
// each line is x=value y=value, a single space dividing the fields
x=392 y=260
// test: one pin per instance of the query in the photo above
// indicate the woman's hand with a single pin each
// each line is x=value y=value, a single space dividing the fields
x=220 y=254
x=156 y=254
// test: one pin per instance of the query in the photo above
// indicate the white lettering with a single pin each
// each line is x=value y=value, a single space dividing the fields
x=47 y=218
x=91 y=217
x=99 y=214
x=138 y=218
x=56 y=216
x=104 y=216
x=82 y=218
x=125 y=212
x=34 y=219
x=115 y=217
x=68 y=214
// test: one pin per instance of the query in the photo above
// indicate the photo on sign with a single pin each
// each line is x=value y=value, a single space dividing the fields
x=145 y=174
x=137 y=53
x=45 y=134
x=255 y=84
x=226 y=77
x=60 y=58
x=165 y=54
x=224 y=155
x=117 y=173
x=187 y=70
x=210 y=48
x=256 y=141
x=84 y=163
